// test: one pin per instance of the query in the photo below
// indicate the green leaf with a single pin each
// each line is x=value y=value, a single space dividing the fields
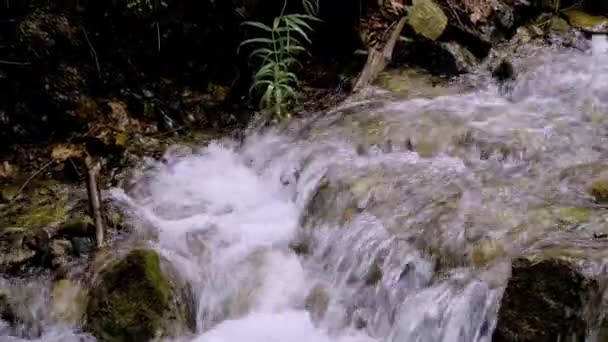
x=257 y=24
x=258 y=40
x=261 y=52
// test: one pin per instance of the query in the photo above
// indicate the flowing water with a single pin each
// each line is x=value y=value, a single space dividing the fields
x=384 y=220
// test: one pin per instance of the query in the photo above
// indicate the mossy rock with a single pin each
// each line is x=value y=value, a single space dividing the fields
x=133 y=302
x=427 y=19
x=583 y=20
x=545 y=301
x=574 y=215
x=599 y=190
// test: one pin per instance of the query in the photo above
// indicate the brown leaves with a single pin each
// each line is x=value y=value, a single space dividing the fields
x=62 y=152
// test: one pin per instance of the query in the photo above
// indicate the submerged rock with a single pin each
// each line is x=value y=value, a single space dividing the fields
x=599 y=190
x=317 y=302
x=135 y=301
x=545 y=301
x=68 y=301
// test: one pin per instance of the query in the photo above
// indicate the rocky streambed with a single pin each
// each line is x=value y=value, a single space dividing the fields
x=420 y=209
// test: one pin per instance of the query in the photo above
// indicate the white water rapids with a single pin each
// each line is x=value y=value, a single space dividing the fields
x=229 y=216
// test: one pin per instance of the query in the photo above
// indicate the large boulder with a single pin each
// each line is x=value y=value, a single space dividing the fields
x=135 y=301
x=545 y=300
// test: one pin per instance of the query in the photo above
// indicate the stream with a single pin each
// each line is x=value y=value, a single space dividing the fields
x=390 y=218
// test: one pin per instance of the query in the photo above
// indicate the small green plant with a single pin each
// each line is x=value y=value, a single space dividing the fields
x=276 y=55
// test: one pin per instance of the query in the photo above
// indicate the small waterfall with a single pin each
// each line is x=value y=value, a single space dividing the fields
x=395 y=222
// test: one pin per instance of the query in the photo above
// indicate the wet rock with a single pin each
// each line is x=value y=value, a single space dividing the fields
x=134 y=300
x=44 y=34
x=374 y=275
x=439 y=58
x=586 y=21
x=486 y=251
x=544 y=301
x=61 y=248
x=68 y=301
x=559 y=25
x=6 y=311
x=574 y=215
x=15 y=258
x=599 y=190
x=504 y=71
x=78 y=226
x=427 y=19
x=317 y=302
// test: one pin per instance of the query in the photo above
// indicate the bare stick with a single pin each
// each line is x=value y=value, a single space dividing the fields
x=158 y=34
x=31 y=178
x=378 y=60
x=93 y=52
x=14 y=63
x=93 y=168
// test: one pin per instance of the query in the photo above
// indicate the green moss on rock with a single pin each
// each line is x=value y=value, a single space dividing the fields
x=132 y=301
x=574 y=215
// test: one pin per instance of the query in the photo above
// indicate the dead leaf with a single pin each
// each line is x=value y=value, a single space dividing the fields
x=62 y=152
x=7 y=170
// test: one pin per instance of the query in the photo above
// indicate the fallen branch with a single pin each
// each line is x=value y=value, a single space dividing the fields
x=44 y=167
x=93 y=51
x=378 y=60
x=93 y=167
x=14 y=63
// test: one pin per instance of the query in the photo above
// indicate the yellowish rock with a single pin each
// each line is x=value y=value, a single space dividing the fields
x=599 y=190
x=427 y=19
x=581 y=19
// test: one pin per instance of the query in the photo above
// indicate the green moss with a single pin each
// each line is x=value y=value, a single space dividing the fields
x=599 y=190
x=574 y=215
x=42 y=216
x=131 y=301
